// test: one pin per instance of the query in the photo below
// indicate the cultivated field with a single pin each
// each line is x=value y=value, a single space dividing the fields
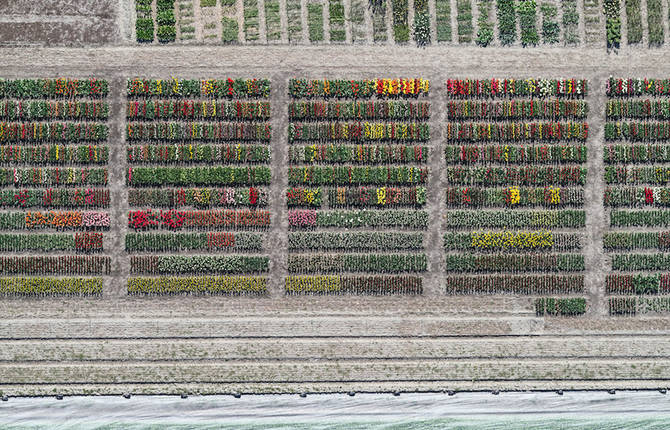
x=413 y=317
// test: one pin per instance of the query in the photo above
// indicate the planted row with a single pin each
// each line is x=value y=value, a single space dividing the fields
x=487 y=241
x=83 y=242
x=510 y=219
x=220 y=175
x=52 y=109
x=358 y=131
x=648 y=218
x=384 y=263
x=192 y=109
x=354 y=285
x=637 y=196
x=617 y=108
x=171 y=154
x=309 y=218
x=546 y=154
x=216 y=264
x=475 y=263
x=50 y=287
x=523 y=175
x=54 y=154
x=187 y=131
x=392 y=109
x=636 y=240
x=637 y=131
x=55 y=198
x=517 y=109
x=368 y=154
x=58 y=265
x=163 y=242
x=340 y=88
x=215 y=88
x=172 y=219
x=198 y=197
x=633 y=175
x=516 y=131
x=515 y=284
x=631 y=153
x=53 y=88
x=517 y=87
x=209 y=285
x=386 y=241
x=514 y=197
x=638 y=284
x=342 y=175
x=560 y=306
x=54 y=176
x=52 y=132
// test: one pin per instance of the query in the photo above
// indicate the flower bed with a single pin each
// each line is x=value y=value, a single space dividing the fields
x=635 y=155
x=358 y=153
x=220 y=285
x=355 y=285
x=198 y=158
x=54 y=176
x=515 y=169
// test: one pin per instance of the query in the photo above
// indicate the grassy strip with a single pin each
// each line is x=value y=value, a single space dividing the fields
x=357 y=17
x=315 y=22
x=570 y=22
x=655 y=22
x=229 y=30
x=464 y=21
x=400 y=23
x=485 y=32
x=550 y=29
x=443 y=20
x=527 y=17
x=634 y=21
x=506 y=22
x=251 y=20
x=613 y=22
x=421 y=23
x=336 y=11
x=272 y=20
x=564 y=307
x=379 y=23
x=293 y=11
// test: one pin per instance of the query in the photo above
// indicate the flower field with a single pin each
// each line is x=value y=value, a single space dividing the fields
x=515 y=173
x=54 y=194
x=357 y=174
x=482 y=23
x=635 y=195
x=198 y=159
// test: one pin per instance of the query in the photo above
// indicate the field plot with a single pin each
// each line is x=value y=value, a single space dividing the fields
x=515 y=174
x=197 y=179
x=357 y=172
x=636 y=153
x=54 y=198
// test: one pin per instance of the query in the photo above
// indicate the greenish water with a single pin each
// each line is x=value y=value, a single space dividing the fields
x=464 y=411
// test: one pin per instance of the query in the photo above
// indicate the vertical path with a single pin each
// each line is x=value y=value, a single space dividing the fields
x=454 y=21
x=116 y=284
x=596 y=219
x=283 y=22
x=277 y=241
x=432 y=14
x=435 y=193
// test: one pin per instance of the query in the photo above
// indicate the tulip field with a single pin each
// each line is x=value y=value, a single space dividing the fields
x=515 y=172
x=357 y=175
x=54 y=199
x=198 y=159
x=636 y=176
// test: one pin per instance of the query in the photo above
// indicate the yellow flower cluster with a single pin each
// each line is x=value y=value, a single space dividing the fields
x=381 y=195
x=50 y=286
x=404 y=86
x=512 y=240
x=312 y=284
x=199 y=285
x=555 y=195
x=514 y=196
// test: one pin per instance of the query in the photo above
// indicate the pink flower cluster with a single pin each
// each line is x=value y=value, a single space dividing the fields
x=95 y=219
x=302 y=217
